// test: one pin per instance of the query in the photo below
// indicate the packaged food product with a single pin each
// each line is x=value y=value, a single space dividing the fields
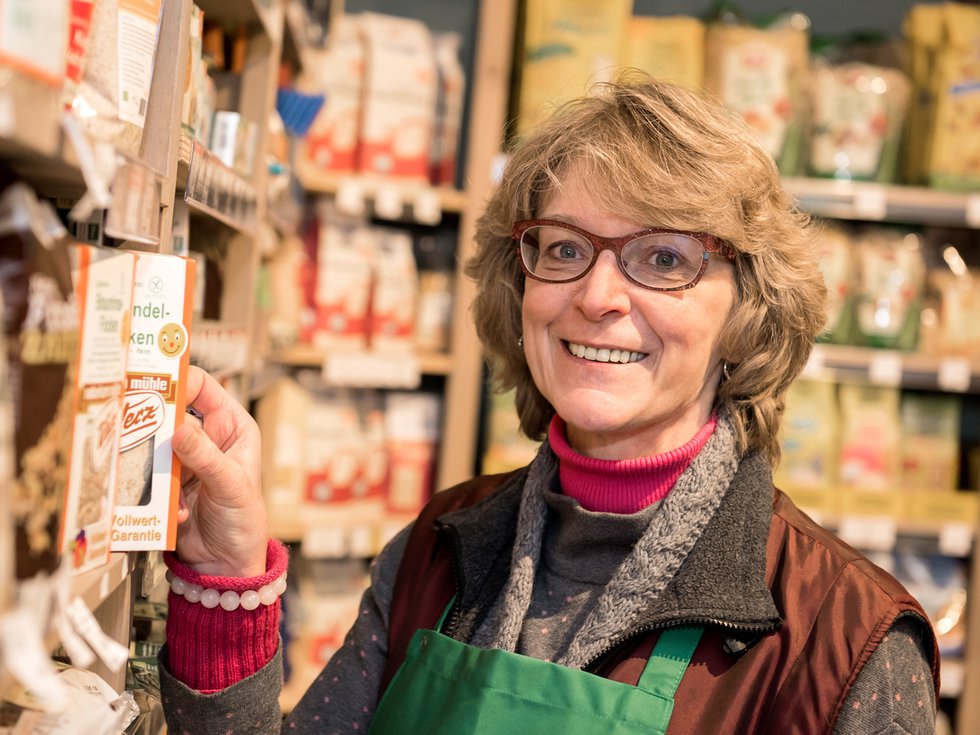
x=115 y=84
x=565 y=47
x=398 y=98
x=104 y=296
x=761 y=73
x=809 y=437
x=148 y=487
x=282 y=417
x=412 y=426
x=338 y=73
x=891 y=280
x=41 y=332
x=871 y=441
x=857 y=112
x=449 y=109
x=670 y=48
x=930 y=441
x=394 y=292
x=434 y=256
x=506 y=448
x=959 y=311
x=343 y=283
x=838 y=265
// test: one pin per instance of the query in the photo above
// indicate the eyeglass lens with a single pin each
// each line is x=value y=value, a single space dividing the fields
x=660 y=260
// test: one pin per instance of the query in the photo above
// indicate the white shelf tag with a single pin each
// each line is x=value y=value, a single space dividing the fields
x=350 y=197
x=954 y=374
x=427 y=207
x=885 y=368
x=362 y=541
x=372 y=370
x=324 y=543
x=871 y=202
x=814 y=367
x=972 y=213
x=956 y=539
x=870 y=533
x=388 y=202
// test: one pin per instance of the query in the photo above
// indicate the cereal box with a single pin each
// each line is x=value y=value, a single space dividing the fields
x=104 y=295
x=148 y=487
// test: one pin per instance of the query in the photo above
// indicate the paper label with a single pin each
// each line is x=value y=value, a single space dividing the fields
x=34 y=38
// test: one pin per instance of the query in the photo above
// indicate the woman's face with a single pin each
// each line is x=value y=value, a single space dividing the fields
x=647 y=406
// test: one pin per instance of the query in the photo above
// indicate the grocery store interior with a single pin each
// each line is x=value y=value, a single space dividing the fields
x=284 y=193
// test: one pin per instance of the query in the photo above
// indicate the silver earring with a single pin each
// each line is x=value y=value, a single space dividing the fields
x=520 y=341
x=726 y=372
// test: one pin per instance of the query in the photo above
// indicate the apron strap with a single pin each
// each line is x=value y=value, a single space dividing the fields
x=669 y=660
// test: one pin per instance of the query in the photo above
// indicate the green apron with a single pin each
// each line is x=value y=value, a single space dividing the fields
x=445 y=686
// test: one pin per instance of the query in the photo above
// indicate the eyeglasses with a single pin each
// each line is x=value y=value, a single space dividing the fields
x=662 y=260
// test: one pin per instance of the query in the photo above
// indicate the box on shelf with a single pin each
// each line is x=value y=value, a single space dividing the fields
x=670 y=48
x=149 y=474
x=104 y=297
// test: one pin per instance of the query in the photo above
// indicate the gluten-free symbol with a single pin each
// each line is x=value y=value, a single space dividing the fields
x=156 y=284
x=172 y=339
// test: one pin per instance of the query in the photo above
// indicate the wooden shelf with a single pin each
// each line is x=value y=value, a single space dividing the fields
x=857 y=200
x=302 y=355
x=214 y=189
x=950 y=373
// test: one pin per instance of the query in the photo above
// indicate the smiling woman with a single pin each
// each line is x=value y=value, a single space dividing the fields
x=644 y=282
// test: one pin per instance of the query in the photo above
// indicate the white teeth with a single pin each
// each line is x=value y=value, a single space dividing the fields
x=604 y=354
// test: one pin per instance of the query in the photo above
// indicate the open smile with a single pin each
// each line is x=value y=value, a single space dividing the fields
x=604 y=354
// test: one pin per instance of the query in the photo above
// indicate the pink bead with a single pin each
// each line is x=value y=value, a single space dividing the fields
x=178 y=585
x=193 y=593
x=210 y=598
x=267 y=594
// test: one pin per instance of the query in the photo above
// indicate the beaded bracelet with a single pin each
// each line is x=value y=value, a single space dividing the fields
x=229 y=600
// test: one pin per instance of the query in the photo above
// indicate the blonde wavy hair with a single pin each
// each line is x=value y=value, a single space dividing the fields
x=665 y=156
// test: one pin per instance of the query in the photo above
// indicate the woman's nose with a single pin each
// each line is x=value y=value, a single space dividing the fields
x=605 y=288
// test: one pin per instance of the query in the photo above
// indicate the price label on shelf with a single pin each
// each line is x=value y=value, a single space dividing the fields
x=350 y=197
x=972 y=213
x=372 y=370
x=871 y=533
x=324 y=543
x=956 y=539
x=427 y=207
x=388 y=203
x=871 y=202
x=885 y=368
x=954 y=374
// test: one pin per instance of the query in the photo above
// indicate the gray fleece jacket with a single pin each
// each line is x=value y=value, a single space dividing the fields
x=573 y=581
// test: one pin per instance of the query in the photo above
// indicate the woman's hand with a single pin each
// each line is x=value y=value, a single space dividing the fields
x=223 y=524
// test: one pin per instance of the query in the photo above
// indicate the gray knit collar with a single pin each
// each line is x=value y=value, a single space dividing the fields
x=674 y=528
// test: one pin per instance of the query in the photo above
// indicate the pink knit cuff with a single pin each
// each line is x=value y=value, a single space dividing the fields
x=211 y=649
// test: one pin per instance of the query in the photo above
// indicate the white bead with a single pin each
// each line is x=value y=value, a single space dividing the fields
x=267 y=594
x=279 y=585
x=210 y=598
x=250 y=599
x=229 y=600
x=193 y=593
x=178 y=585
x=170 y=576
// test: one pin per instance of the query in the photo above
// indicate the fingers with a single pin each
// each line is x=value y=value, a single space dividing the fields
x=199 y=454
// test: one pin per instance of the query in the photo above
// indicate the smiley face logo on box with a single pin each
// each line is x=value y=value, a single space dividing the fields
x=172 y=340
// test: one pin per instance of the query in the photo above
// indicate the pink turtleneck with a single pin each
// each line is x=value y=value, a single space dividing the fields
x=621 y=486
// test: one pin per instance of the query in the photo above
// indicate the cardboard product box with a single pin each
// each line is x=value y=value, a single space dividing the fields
x=399 y=97
x=104 y=295
x=568 y=46
x=148 y=488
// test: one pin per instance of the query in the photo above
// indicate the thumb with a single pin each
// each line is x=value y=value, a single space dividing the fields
x=199 y=454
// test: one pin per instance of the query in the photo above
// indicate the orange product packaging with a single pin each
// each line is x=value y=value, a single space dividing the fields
x=103 y=279
x=148 y=487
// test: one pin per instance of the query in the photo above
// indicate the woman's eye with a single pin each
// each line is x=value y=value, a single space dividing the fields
x=567 y=250
x=665 y=259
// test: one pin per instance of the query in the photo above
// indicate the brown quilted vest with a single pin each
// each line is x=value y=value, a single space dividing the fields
x=836 y=607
